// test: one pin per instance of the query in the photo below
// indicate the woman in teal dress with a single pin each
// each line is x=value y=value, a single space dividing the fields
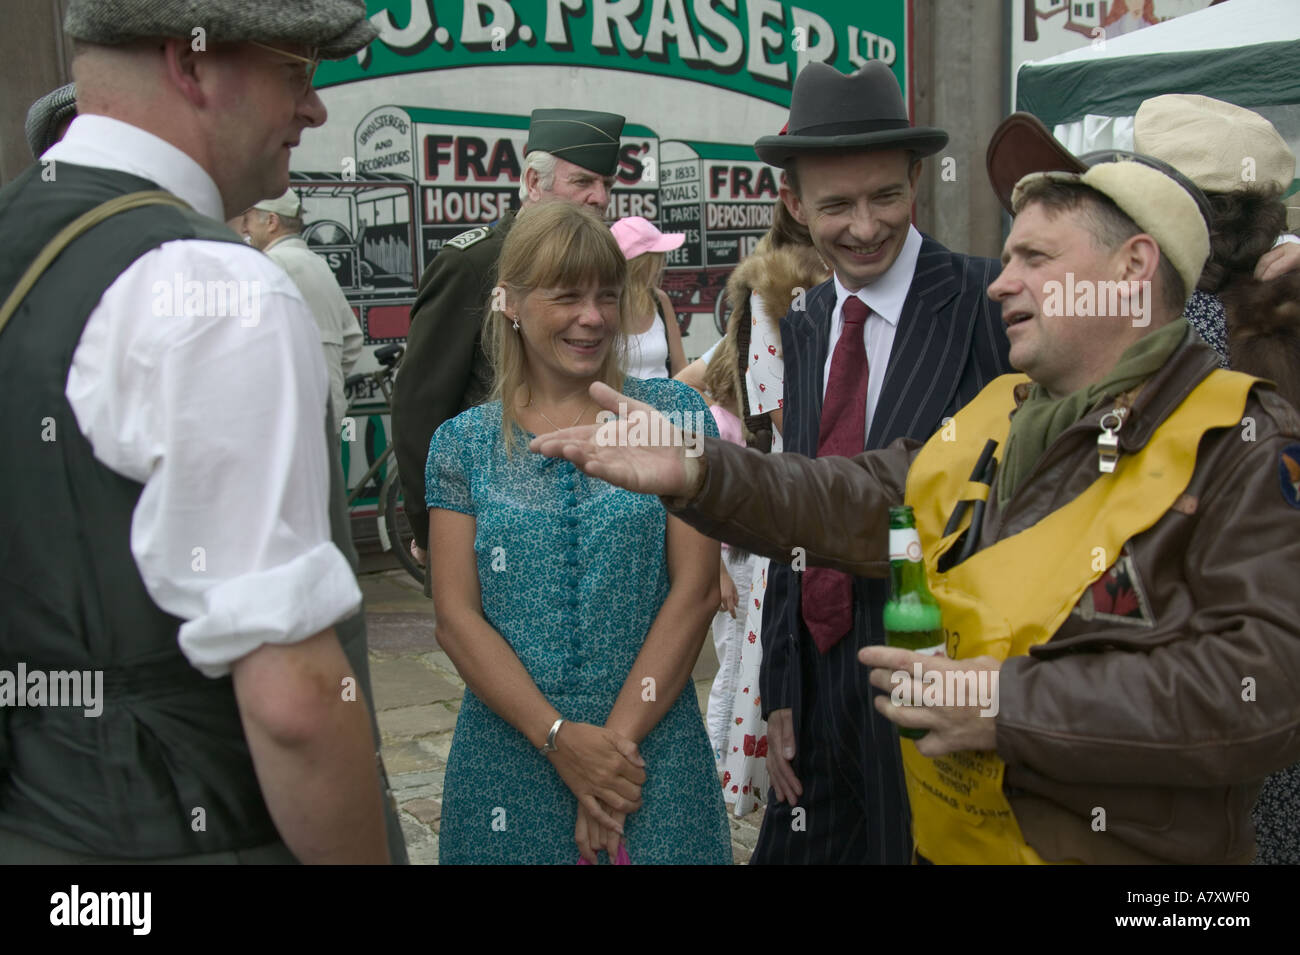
x=573 y=610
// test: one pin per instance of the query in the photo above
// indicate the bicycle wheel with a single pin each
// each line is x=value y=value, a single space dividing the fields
x=394 y=528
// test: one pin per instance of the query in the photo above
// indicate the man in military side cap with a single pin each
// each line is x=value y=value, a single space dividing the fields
x=571 y=155
x=180 y=611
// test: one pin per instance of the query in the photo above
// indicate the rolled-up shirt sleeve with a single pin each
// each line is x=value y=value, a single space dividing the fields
x=221 y=416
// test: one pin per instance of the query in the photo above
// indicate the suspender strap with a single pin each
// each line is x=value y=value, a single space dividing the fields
x=71 y=231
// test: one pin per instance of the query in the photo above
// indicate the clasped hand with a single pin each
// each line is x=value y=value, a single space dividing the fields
x=604 y=770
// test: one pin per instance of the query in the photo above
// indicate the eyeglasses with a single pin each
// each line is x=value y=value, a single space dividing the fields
x=312 y=62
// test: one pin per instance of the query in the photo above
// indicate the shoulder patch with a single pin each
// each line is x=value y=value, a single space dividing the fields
x=466 y=239
x=1288 y=473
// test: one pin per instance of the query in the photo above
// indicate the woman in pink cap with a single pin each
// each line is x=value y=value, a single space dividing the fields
x=654 y=342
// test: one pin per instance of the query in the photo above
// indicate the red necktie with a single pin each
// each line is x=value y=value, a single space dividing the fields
x=828 y=594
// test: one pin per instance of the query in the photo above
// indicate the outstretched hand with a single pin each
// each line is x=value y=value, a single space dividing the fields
x=635 y=447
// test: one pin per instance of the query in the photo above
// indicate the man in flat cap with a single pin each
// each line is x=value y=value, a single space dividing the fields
x=275 y=227
x=894 y=344
x=172 y=564
x=571 y=155
x=1117 y=587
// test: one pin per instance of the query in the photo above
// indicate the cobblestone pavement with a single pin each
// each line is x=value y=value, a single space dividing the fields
x=417 y=696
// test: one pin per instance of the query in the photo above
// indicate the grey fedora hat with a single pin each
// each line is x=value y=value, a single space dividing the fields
x=832 y=111
x=337 y=28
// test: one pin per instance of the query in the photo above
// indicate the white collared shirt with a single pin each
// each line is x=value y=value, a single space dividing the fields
x=222 y=419
x=885 y=297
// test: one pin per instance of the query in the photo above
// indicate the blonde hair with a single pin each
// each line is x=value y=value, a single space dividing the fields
x=643 y=274
x=551 y=245
x=721 y=375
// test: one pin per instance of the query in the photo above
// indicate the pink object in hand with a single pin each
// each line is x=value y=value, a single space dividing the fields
x=729 y=428
x=620 y=859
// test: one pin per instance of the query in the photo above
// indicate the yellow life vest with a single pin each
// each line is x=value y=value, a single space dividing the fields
x=1015 y=593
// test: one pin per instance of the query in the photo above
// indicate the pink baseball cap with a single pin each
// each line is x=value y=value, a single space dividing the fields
x=636 y=236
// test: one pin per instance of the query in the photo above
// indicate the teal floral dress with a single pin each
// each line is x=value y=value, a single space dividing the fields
x=572 y=572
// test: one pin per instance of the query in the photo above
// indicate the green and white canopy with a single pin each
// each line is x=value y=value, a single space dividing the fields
x=1245 y=52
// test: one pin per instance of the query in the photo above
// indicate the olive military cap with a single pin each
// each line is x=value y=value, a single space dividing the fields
x=582 y=136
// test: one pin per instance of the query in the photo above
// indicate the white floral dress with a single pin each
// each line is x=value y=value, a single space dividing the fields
x=744 y=762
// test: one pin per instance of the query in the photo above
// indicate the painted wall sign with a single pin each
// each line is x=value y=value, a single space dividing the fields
x=755 y=47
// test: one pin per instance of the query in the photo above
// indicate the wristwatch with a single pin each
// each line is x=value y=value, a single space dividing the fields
x=550 y=746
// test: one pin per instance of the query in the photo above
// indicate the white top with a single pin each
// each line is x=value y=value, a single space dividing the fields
x=340 y=335
x=647 y=353
x=712 y=350
x=885 y=297
x=765 y=376
x=221 y=418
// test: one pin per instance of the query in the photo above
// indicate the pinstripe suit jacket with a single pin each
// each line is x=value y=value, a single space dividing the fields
x=950 y=343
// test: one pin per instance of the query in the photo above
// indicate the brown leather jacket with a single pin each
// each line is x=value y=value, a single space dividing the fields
x=1174 y=686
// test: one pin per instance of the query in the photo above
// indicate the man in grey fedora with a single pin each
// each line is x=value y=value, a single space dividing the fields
x=182 y=553
x=895 y=342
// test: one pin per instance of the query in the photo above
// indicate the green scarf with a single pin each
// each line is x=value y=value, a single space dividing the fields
x=1042 y=418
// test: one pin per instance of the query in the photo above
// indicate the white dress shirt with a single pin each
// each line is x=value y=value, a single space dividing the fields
x=885 y=297
x=221 y=418
x=340 y=335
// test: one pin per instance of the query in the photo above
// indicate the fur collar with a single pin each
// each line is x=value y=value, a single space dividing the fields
x=774 y=274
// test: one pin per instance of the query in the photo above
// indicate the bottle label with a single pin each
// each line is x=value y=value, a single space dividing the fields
x=931 y=643
x=905 y=544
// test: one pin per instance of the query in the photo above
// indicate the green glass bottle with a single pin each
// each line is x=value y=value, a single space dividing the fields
x=912 y=617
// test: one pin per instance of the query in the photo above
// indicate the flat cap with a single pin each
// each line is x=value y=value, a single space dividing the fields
x=46 y=115
x=585 y=137
x=1219 y=146
x=286 y=205
x=337 y=28
x=1160 y=200
x=1158 y=204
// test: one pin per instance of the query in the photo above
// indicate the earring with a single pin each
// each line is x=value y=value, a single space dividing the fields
x=516 y=321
